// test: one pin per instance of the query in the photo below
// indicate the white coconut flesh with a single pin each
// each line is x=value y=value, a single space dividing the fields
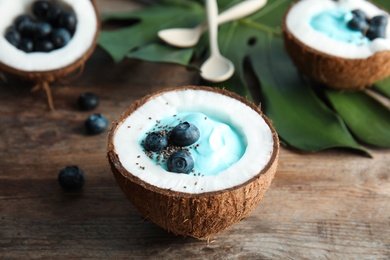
x=81 y=41
x=298 y=23
x=255 y=131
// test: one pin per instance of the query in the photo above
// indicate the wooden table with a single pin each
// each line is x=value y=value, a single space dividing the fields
x=328 y=205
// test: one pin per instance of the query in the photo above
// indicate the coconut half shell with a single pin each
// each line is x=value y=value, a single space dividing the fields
x=197 y=215
x=333 y=71
x=44 y=77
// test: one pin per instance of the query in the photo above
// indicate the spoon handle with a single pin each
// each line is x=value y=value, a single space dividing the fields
x=240 y=10
x=212 y=17
x=237 y=11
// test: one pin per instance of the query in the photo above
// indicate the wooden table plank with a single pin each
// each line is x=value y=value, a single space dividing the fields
x=328 y=205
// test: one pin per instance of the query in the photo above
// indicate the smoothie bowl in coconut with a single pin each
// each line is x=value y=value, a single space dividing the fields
x=342 y=44
x=44 y=41
x=194 y=160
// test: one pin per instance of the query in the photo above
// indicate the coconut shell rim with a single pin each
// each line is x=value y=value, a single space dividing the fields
x=114 y=159
x=52 y=75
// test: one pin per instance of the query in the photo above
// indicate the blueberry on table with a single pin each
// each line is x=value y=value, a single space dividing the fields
x=96 y=124
x=13 y=36
x=87 y=101
x=60 y=37
x=43 y=46
x=26 y=45
x=155 y=141
x=184 y=134
x=71 y=178
x=180 y=162
x=40 y=9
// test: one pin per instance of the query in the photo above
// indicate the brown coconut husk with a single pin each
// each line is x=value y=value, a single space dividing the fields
x=196 y=215
x=45 y=78
x=333 y=71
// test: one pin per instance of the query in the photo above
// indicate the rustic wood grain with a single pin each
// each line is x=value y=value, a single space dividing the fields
x=329 y=205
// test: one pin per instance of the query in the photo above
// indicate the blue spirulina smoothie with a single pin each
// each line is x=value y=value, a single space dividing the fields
x=219 y=146
x=333 y=23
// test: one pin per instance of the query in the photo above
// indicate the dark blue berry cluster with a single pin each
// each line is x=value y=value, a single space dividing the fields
x=51 y=27
x=170 y=145
x=372 y=28
x=95 y=123
x=72 y=177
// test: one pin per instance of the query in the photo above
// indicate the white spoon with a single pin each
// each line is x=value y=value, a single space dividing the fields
x=216 y=68
x=188 y=37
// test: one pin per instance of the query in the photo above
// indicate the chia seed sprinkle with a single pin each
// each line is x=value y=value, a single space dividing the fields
x=161 y=157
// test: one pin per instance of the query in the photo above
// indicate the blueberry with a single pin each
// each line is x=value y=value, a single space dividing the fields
x=40 y=9
x=60 y=37
x=71 y=178
x=180 y=162
x=53 y=15
x=357 y=24
x=374 y=32
x=43 y=46
x=359 y=13
x=88 y=101
x=155 y=141
x=13 y=36
x=26 y=45
x=42 y=30
x=25 y=25
x=379 y=20
x=22 y=18
x=96 y=124
x=184 y=134
x=68 y=21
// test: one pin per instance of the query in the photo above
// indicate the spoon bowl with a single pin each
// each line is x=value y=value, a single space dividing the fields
x=181 y=37
x=216 y=69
